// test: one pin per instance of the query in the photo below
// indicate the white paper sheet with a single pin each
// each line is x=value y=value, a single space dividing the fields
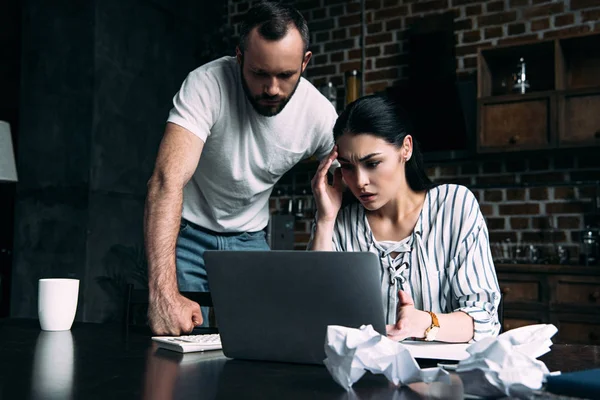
x=437 y=350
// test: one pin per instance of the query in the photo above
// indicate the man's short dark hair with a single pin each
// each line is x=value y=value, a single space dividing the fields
x=273 y=21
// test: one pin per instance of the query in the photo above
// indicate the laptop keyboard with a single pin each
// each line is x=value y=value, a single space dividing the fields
x=189 y=343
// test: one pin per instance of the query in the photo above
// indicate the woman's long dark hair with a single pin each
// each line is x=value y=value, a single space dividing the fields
x=379 y=117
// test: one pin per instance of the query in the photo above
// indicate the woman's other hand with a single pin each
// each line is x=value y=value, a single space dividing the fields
x=410 y=322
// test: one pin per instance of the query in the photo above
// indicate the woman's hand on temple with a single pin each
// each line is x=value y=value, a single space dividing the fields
x=328 y=198
x=410 y=322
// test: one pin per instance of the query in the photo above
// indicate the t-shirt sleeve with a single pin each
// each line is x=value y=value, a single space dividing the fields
x=196 y=106
x=326 y=132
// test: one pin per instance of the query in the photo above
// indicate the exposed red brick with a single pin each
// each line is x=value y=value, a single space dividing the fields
x=579 y=4
x=392 y=61
x=494 y=6
x=496 y=237
x=564 y=193
x=390 y=73
x=546 y=9
x=470 y=62
x=352 y=8
x=393 y=24
x=471 y=36
x=324 y=37
x=575 y=207
x=349 y=66
x=323 y=25
x=590 y=15
x=457 y=3
x=320 y=59
x=466 y=50
x=495 y=224
x=542 y=222
x=517 y=40
x=339 y=45
x=389 y=13
x=473 y=10
x=497 y=19
x=543 y=177
x=496 y=179
x=538 y=193
x=339 y=34
x=336 y=11
x=540 y=24
x=565 y=19
x=375 y=27
x=518 y=3
x=393 y=48
x=304 y=6
x=569 y=223
x=372 y=51
x=575 y=30
x=493 y=32
x=492 y=195
x=356 y=31
x=372 y=4
x=449 y=170
x=543 y=237
x=519 y=223
x=486 y=209
x=337 y=57
x=322 y=70
x=463 y=24
x=349 y=20
x=516 y=29
x=428 y=6
x=515 y=194
x=587 y=192
x=519 y=209
x=380 y=38
x=319 y=13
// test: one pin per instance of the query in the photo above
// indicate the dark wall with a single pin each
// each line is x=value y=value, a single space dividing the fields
x=98 y=84
x=10 y=67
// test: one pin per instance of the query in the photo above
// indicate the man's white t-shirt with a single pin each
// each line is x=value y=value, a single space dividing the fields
x=244 y=152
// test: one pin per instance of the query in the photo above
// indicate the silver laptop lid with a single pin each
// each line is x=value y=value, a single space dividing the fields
x=276 y=305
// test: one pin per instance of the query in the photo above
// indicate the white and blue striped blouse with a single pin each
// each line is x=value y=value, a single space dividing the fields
x=445 y=264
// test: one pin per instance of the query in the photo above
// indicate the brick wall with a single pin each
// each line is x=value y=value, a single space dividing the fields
x=336 y=31
x=524 y=199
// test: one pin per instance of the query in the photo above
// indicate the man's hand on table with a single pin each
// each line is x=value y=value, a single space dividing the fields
x=173 y=314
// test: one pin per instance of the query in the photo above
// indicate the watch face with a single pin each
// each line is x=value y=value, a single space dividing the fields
x=432 y=334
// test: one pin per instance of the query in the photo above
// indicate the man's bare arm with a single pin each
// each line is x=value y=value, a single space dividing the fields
x=176 y=162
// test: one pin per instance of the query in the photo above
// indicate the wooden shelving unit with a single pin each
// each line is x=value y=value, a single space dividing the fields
x=561 y=108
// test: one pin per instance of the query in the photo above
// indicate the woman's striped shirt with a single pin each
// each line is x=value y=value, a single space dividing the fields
x=445 y=265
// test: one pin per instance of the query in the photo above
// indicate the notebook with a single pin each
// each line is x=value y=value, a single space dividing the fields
x=276 y=305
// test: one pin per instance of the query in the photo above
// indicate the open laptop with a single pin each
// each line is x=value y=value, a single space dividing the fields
x=276 y=305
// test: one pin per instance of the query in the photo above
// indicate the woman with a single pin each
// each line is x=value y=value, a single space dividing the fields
x=438 y=278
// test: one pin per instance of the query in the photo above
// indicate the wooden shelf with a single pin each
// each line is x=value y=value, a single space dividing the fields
x=560 y=109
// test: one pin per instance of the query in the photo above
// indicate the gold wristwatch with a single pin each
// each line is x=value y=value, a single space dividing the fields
x=432 y=331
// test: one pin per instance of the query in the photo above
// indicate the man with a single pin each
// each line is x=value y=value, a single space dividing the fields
x=237 y=125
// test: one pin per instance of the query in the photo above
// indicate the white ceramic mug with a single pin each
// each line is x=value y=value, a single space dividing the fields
x=57 y=303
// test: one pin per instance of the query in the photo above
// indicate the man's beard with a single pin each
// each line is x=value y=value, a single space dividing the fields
x=255 y=100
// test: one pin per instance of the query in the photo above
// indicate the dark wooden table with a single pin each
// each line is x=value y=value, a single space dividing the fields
x=94 y=361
